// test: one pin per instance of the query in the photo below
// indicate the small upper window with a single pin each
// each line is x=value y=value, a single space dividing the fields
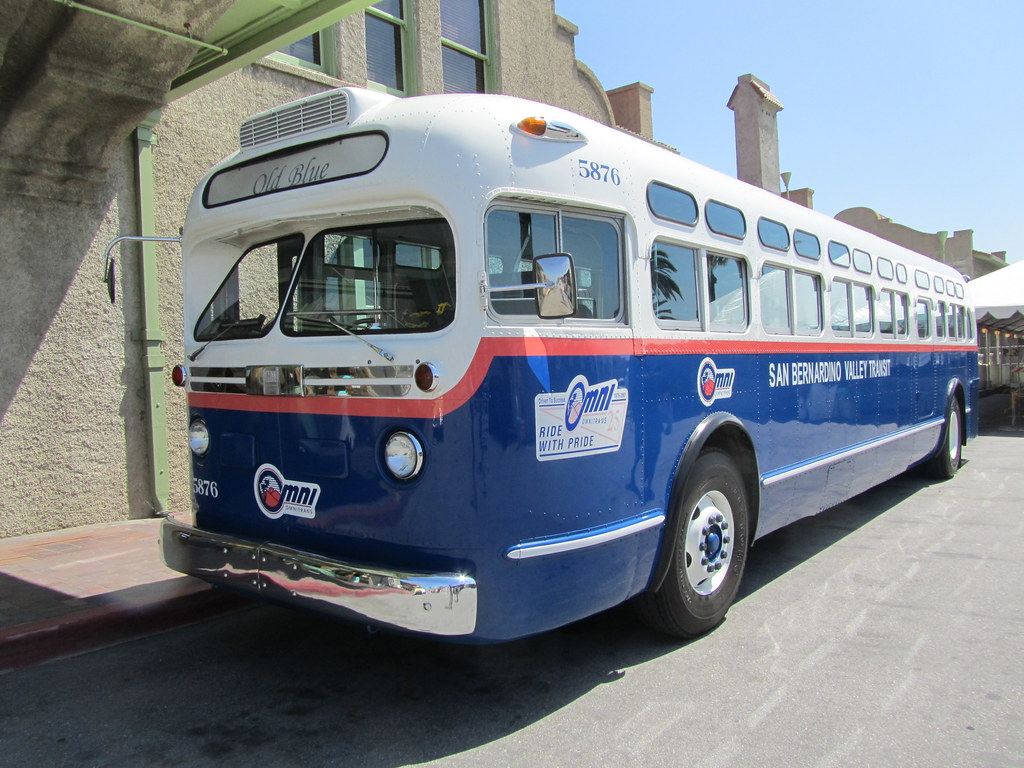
x=950 y=289
x=839 y=254
x=862 y=261
x=901 y=273
x=773 y=234
x=921 y=279
x=725 y=220
x=885 y=268
x=940 y=286
x=672 y=204
x=806 y=244
x=959 y=290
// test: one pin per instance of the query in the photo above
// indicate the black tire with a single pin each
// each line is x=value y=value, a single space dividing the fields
x=946 y=460
x=687 y=605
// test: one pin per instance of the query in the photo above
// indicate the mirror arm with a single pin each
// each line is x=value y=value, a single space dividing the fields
x=108 y=258
x=525 y=287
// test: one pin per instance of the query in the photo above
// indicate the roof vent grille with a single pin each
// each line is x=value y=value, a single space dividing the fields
x=294 y=119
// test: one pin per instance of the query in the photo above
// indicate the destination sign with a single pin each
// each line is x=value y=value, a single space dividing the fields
x=300 y=167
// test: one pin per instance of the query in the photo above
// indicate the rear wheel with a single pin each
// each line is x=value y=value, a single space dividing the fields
x=946 y=460
x=709 y=552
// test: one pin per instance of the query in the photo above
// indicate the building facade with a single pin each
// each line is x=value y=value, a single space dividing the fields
x=957 y=249
x=91 y=428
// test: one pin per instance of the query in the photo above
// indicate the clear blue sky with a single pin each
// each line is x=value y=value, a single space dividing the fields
x=914 y=109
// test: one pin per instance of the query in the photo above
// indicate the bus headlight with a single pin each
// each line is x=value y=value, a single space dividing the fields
x=198 y=437
x=403 y=455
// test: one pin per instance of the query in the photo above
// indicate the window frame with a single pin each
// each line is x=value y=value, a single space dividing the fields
x=798 y=246
x=328 y=64
x=682 y=192
x=708 y=219
x=770 y=226
x=698 y=277
x=843 y=260
x=926 y=303
x=405 y=42
x=558 y=212
x=863 y=264
x=720 y=327
x=483 y=57
x=793 y=327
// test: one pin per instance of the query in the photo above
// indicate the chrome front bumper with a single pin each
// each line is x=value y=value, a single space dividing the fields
x=433 y=603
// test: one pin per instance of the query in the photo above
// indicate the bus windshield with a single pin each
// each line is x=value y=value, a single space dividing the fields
x=388 y=278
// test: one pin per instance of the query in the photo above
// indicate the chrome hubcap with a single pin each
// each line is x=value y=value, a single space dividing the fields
x=708 y=546
x=953 y=435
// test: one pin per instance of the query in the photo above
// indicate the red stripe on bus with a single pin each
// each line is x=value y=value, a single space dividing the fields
x=533 y=346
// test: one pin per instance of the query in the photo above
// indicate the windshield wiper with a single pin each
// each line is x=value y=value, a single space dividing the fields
x=249 y=323
x=326 y=316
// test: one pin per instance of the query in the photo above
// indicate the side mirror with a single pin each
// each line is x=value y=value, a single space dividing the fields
x=555 y=277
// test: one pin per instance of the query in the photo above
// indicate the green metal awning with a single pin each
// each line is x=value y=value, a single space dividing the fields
x=252 y=29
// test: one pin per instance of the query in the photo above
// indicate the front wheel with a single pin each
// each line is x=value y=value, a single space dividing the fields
x=946 y=460
x=709 y=552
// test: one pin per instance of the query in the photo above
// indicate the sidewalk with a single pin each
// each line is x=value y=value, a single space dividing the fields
x=70 y=591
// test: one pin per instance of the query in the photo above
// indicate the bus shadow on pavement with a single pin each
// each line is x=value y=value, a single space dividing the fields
x=780 y=551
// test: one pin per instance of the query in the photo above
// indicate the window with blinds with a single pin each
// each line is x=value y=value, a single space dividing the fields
x=464 y=49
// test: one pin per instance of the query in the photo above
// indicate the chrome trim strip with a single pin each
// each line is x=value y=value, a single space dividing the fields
x=217 y=380
x=571 y=542
x=785 y=474
x=432 y=603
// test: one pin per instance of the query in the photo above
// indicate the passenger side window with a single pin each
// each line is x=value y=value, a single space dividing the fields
x=885 y=313
x=727 y=293
x=516 y=238
x=674 y=283
x=594 y=246
x=773 y=288
x=863 y=321
x=807 y=291
x=924 y=319
x=840 y=308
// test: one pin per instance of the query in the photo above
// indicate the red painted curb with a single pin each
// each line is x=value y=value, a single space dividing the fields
x=103 y=626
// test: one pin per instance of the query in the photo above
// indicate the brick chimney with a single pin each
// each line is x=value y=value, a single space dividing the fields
x=757 y=133
x=631 y=106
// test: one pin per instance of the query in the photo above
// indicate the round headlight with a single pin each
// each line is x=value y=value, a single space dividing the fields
x=198 y=437
x=403 y=455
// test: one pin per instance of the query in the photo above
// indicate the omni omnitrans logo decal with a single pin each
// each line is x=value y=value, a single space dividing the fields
x=278 y=496
x=714 y=383
x=584 y=420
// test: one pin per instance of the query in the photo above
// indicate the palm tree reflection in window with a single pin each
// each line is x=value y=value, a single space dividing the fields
x=674 y=278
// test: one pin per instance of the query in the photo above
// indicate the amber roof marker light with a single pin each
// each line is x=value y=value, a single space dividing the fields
x=541 y=128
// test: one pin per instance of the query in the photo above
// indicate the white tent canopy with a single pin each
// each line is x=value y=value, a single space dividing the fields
x=998 y=299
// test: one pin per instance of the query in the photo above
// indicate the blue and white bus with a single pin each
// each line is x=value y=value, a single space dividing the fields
x=476 y=367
